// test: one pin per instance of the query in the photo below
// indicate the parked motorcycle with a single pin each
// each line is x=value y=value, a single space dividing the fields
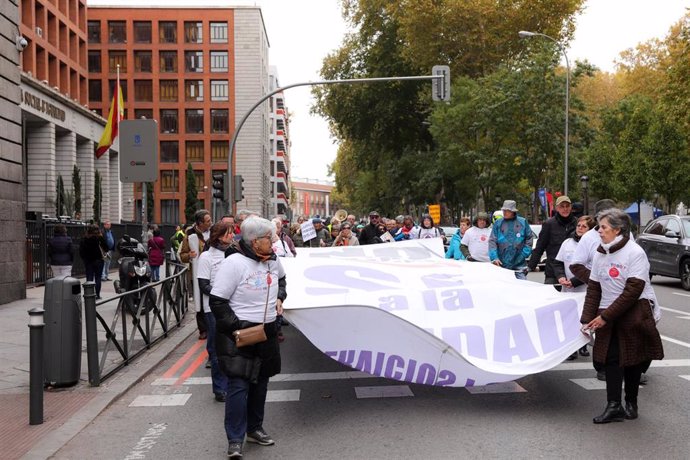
x=135 y=272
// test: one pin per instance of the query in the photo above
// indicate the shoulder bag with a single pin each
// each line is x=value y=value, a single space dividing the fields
x=255 y=334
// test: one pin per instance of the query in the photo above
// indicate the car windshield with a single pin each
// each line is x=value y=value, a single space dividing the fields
x=686 y=225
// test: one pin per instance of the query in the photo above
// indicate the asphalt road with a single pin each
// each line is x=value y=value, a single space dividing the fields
x=317 y=410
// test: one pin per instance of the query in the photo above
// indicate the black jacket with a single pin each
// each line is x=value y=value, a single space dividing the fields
x=253 y=361
x=370 y=235
x=89 y=249
x=553 y=233
x=60 y=250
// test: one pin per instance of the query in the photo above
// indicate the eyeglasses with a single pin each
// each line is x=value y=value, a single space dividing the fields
x=582 y=226
x=265 y=236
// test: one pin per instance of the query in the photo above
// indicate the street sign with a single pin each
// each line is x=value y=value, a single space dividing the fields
x=138 y=151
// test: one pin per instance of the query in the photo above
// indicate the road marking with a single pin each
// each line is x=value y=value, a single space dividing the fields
x=203 y=356
x=322 y=376
x=677 y=342
x=147 y=442
x=180 y=362
x=282 y=395
x=686 y=377
x=160 y=400
x=681 y=293
x=680 y=312
x=168 y=381
x=384 y=391
x=590 y=384
x=504 y=387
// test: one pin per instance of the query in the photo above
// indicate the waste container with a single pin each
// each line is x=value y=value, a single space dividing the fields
x=62 y=340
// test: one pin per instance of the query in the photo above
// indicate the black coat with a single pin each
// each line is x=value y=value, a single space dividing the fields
x=370 y=235
x=60 y=250
x=250 y=362
x=553 y=233
x=90 y=249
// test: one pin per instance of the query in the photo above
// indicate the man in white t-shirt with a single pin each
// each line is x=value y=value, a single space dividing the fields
x=475 y=242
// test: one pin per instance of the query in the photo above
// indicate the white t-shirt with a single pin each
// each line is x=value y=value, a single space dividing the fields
x=422 y=233
x=207 y=267
x=281 y=248
x=613 y=270
x=586 y=248
x=565 y=255
x=244 y=282
x=477 y=241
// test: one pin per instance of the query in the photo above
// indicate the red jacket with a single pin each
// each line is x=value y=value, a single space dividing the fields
x=156 y=251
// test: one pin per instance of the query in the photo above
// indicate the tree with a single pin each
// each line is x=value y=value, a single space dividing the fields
x=97 y=197
x=76 y=185
x=191 y=204
x=59 y=197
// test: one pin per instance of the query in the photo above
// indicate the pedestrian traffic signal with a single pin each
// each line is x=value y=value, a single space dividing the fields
x=218 y=185
x=440 y=87
x=238 y=188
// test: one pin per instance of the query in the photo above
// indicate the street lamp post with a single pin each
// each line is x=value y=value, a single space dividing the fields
x=584 y=181
x=526 y=34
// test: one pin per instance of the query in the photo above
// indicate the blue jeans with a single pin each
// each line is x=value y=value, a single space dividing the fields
x=94 y=269
x=521 y=273
x=244 y=407
x=218 y=379
x=106 y=265
x=155 y=272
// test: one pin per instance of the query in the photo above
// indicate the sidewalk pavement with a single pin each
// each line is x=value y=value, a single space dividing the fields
x=66 y=411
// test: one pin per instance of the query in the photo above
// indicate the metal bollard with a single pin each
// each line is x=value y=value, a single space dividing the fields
x=91 y=333
x=36 y=326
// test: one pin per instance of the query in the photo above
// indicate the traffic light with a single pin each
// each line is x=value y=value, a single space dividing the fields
x=440 y=87
x=218 y=185
x=238 y=188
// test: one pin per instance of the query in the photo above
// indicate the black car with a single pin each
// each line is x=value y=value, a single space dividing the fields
x=666 y=240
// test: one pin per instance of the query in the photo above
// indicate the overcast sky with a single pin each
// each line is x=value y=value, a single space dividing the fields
x=302 y=32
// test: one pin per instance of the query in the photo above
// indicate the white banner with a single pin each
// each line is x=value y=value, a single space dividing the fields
x=402 y=311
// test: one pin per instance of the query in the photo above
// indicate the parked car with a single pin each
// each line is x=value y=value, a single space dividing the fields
x=448 y=233
x=666 y=240
x=536 y=229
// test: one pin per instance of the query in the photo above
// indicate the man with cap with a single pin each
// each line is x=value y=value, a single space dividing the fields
x=370 y=234
x=323 y=237
x=510 y=243
x=553 y=233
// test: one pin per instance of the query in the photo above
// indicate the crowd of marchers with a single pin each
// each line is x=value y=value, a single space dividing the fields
x=240 y=285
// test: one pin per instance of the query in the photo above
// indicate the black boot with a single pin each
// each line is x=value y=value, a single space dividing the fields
x=572 y=357
x=630 y=410
x=613 y=413
x=583 y=351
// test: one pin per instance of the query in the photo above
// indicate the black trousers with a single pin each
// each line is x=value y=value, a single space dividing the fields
x=201 y=321
x=616 y=375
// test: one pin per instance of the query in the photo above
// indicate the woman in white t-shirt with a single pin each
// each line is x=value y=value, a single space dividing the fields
x=619 y=309
x=426 y=229
x=475 y=241
x=248 y=290
x=561 y=267
x=221 y=236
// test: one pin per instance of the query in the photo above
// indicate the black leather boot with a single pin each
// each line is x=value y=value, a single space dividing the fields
x=630 y=410
x=613 y=413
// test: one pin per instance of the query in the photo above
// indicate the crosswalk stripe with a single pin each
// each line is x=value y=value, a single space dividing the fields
x=504 y=387
x=383 y=391
x=179 y=399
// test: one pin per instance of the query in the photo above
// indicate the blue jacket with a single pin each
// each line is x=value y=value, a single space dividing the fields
x=453 y=251
x=60 y=250
x=511 y=242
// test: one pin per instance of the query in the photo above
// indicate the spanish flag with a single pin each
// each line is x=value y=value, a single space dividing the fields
x=117 y=112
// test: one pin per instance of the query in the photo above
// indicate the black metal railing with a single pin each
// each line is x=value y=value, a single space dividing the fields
x=138 y=331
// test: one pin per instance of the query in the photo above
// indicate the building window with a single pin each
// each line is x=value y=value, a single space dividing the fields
x=170 y=180
x=95 y=90
x=219 y=90
x=194 y=121
x=170 y=211
x=194 y=151
x=219 y=150
x=168 y=90
x=193 y=32
x=123 y=85
x=199 y=180
x=170 y=152
x=142 y=61
x=115 y=59
x=194 y=90
x=194 y=61
x=219 y=32
x=167 y=31
x=219 y=61
x=141 y=114
x=143 y=91
x=95 y=61
x=94 y=31
x=219 y=120
x=168 y=121
x=168 y=61
x=142 y=31
x=117 y=32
